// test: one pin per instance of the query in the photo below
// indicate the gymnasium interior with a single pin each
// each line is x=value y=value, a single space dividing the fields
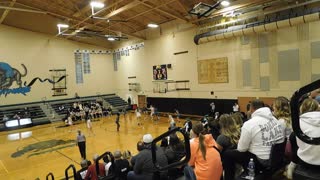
x=124 y=72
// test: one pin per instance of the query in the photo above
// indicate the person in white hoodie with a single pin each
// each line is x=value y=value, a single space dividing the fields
x=257 y=136
x=309 y=155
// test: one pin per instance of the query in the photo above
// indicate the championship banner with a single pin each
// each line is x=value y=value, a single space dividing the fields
x=78 y=64
x=86 y=62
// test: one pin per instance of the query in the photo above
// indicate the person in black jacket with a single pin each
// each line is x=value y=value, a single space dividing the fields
x=121 y=166
x=143 y=166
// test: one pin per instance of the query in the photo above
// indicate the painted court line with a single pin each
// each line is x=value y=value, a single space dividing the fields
x=4 y=167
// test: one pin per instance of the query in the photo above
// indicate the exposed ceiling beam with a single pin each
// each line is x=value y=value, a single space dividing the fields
x=166 y=13
x=88 y=8
x=234 y=6
x=137 y=15
x=184 y=9
x=122 y=9
x=113 y=13
x=87 y=24
x=6 y=12
x=24 y=10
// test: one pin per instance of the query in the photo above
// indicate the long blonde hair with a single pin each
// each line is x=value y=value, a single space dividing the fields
x=281 y=107
x=229 y=128
x=198 y=130
x=309 y=105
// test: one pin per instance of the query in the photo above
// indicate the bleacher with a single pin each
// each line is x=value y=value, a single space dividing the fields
x=116 y=101
x=57 y=107
x=34 y=112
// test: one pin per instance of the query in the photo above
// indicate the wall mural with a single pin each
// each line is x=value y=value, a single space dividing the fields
x=11 y=80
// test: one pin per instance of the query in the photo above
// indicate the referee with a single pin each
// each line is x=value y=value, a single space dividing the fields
x=81 y=142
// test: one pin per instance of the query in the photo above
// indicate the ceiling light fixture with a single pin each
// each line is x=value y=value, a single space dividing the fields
x=152 y=25
x=225 y=3
x=111 y=39
x=96 y=4
x=62 y=25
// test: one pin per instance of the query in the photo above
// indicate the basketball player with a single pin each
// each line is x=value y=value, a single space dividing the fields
x=70 y=123
x=152 y=110
x=89 y=126
x=177 y=114
x=172 y=122
x=138 y=116
x=118 y=121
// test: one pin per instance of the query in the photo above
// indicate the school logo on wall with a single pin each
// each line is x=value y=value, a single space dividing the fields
x=11 y=80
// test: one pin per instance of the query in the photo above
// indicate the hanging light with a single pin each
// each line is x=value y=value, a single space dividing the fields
x=111 y=39
x=62 y=25
x=96 y=4
x=153 y=25
x=225 y=3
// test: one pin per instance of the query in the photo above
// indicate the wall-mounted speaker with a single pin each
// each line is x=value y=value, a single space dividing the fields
x=169 y=66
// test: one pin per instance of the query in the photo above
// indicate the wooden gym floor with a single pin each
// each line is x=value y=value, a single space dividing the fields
x=31 y=153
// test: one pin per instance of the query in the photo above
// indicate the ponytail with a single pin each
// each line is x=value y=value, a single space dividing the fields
x=199 y=130
x=202 y=146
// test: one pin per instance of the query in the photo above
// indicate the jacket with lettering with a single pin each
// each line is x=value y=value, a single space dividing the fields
x=310 y=125
x=260 y=132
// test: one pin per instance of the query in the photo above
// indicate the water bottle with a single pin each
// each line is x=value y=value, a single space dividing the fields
x=251 y=167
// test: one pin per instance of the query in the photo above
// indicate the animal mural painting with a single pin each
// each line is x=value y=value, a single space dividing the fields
x=11 y=80
x=9 y=76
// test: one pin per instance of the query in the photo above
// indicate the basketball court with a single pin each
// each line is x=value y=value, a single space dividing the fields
x=51 y=148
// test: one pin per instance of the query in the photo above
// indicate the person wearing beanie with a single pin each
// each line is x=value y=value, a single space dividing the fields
x=143 y=165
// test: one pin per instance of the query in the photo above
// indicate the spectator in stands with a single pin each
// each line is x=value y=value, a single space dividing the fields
x=281 y=110
x=175 y=151
x=92 y=173
x=310 y=125
x=121 y=166
x=107 y=165
x=143 y=167
x=16 y=116
x=230 y=133
x=238 y=118
x=229 y=137
x=188 y=125
x=76 y=96
x=127 y=155
x=214 y=128
x=308 y=105
x=86 y=111
x=248 y=113
x=117 y=121
x=257 y=136
x=81 y=174
x=5 y=118
x=81 y=142
x=26 y=112
x=205 y=162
